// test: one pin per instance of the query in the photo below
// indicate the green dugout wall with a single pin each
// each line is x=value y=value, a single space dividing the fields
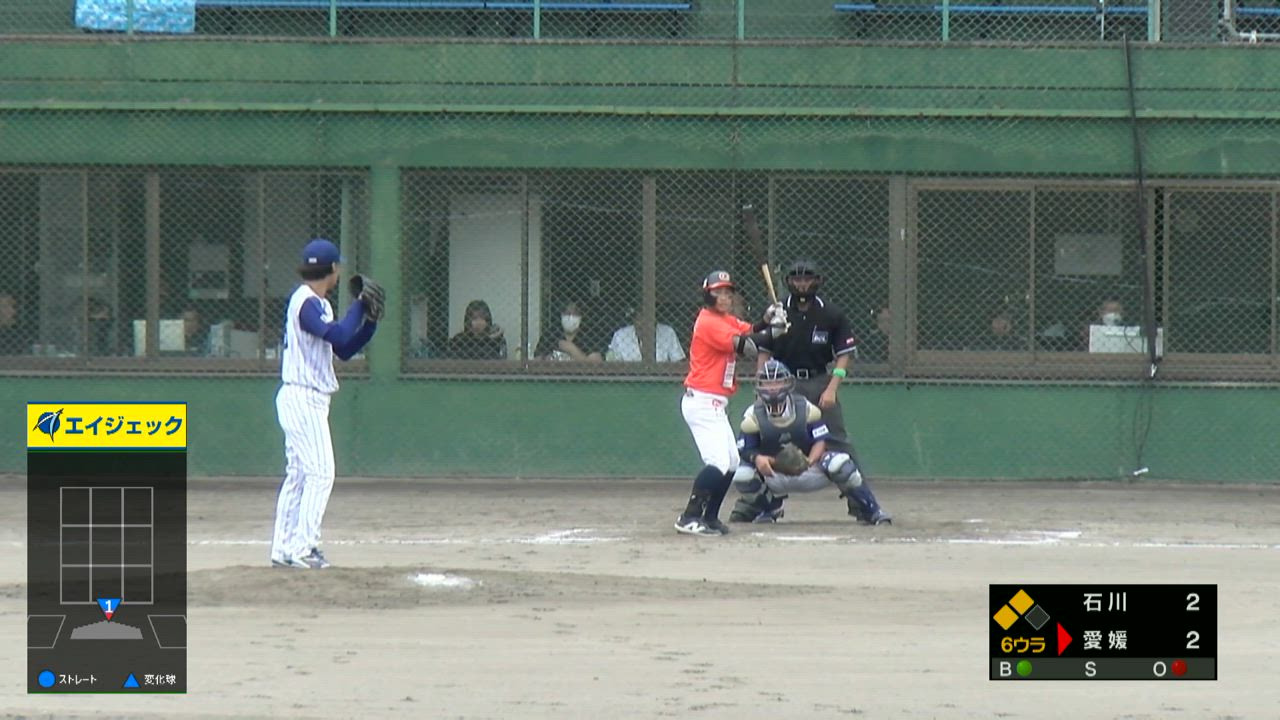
x=539 y=429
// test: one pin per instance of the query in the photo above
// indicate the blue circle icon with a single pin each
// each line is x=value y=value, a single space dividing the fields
x=46 y=679
x=49 y=423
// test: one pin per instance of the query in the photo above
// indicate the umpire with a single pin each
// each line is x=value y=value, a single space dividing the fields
x=819 y=335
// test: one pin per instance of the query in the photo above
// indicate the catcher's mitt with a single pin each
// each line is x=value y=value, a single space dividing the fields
x=371 y=293
x=790 y=460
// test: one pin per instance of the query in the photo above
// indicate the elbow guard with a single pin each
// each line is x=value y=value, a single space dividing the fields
x=744 y=345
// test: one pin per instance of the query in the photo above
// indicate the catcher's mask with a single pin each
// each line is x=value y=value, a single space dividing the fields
x=804 y=269
x=774 y=384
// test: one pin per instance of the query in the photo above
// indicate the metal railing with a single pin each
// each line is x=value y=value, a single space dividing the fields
x=1026 y=21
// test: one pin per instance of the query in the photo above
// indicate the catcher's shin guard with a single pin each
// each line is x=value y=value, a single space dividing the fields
x=844 y=473
x=762 y=508
x=864 y=506
x=751 y=494
x=841 y=470
x=747 y=508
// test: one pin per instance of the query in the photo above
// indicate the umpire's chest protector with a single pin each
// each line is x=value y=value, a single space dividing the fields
x=773 y=437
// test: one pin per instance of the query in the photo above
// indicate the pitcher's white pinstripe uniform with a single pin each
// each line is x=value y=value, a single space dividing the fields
x=302 y=406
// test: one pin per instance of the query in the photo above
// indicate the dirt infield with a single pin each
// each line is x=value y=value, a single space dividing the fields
x=584 y=603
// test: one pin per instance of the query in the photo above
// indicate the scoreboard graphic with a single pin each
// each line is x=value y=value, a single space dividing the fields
x=1103 y=632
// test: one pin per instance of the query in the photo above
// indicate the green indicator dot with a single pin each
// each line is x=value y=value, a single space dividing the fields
x=1024 y=668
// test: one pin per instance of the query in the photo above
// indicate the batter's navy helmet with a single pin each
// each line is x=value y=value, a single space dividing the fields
x=715 y=279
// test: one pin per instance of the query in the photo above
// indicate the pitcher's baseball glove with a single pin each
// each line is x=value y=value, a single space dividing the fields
x=790 y=460
x=374 y=297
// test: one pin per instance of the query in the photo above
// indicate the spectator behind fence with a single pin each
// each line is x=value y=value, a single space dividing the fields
x=740 y=308
x=100 y=321
x=874 y=347
x=480 y=339
x=1109 y=313
x=14 y=337
x=626 y=345
x=195 y=334
x=573 y=341
x=1000 y=335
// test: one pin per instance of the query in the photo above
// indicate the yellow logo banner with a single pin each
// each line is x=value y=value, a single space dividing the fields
x=79 y=425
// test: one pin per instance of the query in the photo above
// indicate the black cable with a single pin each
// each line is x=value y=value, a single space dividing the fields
x=1143 y=412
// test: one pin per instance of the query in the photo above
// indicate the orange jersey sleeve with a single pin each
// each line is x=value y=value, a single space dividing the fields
x=712 y=360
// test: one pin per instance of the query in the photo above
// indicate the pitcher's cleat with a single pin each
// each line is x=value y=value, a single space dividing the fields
x=290 y=561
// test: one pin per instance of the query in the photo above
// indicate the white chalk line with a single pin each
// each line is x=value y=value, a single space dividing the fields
x=584 y=536
x=444 y=580
x=572 y=536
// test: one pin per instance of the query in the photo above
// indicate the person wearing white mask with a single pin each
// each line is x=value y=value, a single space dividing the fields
x=572 y=342
x=1111 y=313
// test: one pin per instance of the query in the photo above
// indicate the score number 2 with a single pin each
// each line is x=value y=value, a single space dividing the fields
x=1193 y=605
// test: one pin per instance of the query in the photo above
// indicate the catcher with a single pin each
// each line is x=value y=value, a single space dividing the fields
x=783 y=450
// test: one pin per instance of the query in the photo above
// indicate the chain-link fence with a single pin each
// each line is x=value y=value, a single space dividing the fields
x=597 y=272
x=900 y=20
x=187 y=269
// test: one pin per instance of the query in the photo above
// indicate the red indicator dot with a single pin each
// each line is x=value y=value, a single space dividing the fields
x=1179 y=667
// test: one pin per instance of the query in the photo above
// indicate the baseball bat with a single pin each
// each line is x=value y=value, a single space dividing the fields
x=757 y=248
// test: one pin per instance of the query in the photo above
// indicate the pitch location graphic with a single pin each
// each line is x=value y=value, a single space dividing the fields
x=106 y=558
x=110 y=562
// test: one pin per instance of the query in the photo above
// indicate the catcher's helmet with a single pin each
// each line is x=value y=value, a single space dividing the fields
x=808 y=269
x=715 y=279
x=774 y=384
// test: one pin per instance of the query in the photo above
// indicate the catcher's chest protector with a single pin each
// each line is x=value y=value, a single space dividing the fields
x=773 y=437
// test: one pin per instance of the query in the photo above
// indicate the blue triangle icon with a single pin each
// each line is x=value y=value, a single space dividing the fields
x=109 y=606
x=131 y=681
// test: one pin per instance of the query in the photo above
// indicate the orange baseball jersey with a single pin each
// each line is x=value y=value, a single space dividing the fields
x=712 y=361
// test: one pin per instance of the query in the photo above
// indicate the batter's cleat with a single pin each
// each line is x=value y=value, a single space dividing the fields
x=694 y=526
x=317 y=559
x=291 y=561
x=715 y=524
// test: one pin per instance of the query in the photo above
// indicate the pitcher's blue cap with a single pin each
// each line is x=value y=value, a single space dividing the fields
x=320 y=252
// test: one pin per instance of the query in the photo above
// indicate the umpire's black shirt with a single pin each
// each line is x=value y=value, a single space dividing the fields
x=817 y=335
